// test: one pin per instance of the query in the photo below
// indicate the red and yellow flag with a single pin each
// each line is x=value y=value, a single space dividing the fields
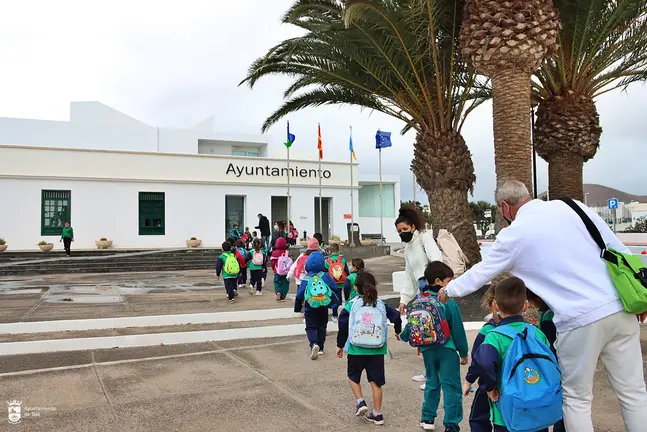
x=319 y=142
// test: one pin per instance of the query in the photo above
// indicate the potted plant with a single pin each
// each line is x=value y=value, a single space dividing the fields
x=368 y=242
x=193 y=242
x=334 y=239
x=3 y=245
x=44 y=246
x=103 y=243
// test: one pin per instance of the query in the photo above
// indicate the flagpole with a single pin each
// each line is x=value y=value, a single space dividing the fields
x=320 y=200
x=381 y=203
x=352 y=199
x=288 y=223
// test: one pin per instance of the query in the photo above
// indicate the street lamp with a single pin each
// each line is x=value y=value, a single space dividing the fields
x=586 y=199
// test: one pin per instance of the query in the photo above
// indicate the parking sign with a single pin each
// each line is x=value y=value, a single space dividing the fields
x=612 y=203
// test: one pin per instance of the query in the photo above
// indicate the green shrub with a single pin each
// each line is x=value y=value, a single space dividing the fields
x=2 y=242
x=42 y=243
x=193 y=238
x=103 y=239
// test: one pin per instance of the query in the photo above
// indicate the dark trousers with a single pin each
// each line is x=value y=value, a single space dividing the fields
x=480 y=414
x=256 y=279
x=498 y=428
x=266 y=240
x=316 y=322
x=230 y=286
x=559 y=426
x=242 y=276
x=67 y=242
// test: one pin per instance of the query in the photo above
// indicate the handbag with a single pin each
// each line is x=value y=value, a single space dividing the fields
x=628 y=272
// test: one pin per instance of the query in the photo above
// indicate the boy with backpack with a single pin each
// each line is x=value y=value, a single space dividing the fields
x=242 y=257
x=337 y=269
x=257 y=268
x=315 y=295
x=363 y=325
x=281 y=263
x=519 y=370
x=437 y=331
x=356 y=266
x=229 y=267
x=247 y=238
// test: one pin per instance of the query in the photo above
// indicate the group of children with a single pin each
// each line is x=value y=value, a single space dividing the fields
x=525 y=397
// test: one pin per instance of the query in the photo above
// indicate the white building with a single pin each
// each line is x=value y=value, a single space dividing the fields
x=146 y=187
x=638 y=211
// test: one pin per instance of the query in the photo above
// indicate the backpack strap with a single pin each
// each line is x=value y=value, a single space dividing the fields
x=339 y=259
x=592 y=229
x=528 y=331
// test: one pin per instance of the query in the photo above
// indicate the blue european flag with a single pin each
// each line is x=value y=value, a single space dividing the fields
x=382 y=140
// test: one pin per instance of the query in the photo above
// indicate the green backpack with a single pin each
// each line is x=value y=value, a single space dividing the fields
x=318 y=293
x=232 y=266
x=628 y=272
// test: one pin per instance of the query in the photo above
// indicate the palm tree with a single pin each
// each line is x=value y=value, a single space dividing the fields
x=399 y=57
x=507 y=40
x=603 y=47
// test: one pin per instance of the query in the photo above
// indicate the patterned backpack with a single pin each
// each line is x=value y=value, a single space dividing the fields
x=231 y=264
x=258 y=258
x=318 y=293
x=367 y=325
x=336 y=270
x=283 y=265
x=427 y=323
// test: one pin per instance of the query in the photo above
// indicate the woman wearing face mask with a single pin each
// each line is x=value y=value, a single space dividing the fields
x=279 y=232
x=420 y=250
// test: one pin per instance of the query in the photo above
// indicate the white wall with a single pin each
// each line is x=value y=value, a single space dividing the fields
x=371 y=225
x=111 y=209
x=636 y=215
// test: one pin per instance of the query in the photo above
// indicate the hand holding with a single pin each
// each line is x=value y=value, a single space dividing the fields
x=464 y=361
x=442 y=296
x=402 y=309
x=467 y=386
x=494 y=395
x=340 y=352
x=642 y=317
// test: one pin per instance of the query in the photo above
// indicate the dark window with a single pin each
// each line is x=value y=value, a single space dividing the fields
x=55 y=210
x=151 y=213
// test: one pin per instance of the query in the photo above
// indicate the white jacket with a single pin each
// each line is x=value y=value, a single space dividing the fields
x=549 y=248
x=416 y=259
x=293 y=267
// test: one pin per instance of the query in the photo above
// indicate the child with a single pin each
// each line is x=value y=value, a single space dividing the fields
x=442 y=362
x=257 y=268
x=316 y=317
x=247 y=238
x=337 y=269
x=480 y=412
x=297 y=271
x=366 y=359
x=243 y=257
x=224 y=264
x=356 y=266
x=547 y=326
x=322 y=245
x=235 y=233
x=510 y=302
x=281 y=283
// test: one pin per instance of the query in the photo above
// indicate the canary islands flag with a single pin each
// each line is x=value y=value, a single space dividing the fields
x=350 y=147
x=291 y=138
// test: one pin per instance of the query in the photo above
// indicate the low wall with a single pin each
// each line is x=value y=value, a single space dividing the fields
x=633 y=238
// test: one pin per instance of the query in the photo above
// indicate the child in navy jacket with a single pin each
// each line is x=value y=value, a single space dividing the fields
x=316 y=318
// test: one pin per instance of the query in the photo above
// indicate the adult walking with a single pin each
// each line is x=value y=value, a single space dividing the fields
x=264 y=228
x=548 y=246
x=67 y=237
x=279 y=232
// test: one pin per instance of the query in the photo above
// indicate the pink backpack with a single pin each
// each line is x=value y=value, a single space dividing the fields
x=300 y=268
x=283 y=265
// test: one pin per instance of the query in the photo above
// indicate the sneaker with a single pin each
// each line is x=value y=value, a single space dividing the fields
x=314 y=354
x=251 y=290
x=419 y=378
x=235 y=293
x=278 y=296
x=423 y=387
x=377 y=419
x=321 y=352
x=258 y=293
x=427 y=425
x=362 y=409
x=283 y=300
x=232 y=301
x=334 y=319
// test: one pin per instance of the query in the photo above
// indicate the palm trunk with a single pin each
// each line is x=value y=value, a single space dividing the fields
x=565 y=175
x=511 y=116
x=443 y=167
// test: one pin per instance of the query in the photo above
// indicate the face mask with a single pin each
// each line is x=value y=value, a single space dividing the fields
x=406 y=236
x=276 y=227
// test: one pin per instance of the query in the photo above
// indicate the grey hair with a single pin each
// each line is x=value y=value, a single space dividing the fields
x=513 y=192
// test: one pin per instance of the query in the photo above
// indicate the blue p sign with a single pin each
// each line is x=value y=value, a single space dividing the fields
x=613 y=203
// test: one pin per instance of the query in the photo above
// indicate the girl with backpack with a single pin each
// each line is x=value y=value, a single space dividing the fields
x=363 y=330
x=298 y=269
x=257 y=268
x=316 y=294
x=281 y=263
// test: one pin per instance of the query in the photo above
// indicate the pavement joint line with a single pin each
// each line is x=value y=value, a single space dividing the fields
x=143 y=359
x=285 y=390
x=40 y=301
x=103 y=389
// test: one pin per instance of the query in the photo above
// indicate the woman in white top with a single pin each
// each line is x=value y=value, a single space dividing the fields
x=420 y=250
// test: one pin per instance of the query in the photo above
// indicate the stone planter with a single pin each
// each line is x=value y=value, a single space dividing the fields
x=193 y=243
x=103 y=244
x=369 y=243
x=46 y=247
x=337 y=242
x=3 y=247
x=304 y=243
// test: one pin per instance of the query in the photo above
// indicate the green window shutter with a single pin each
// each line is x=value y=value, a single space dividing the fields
x=56 y=208
x=369 y=200
x=151 y=213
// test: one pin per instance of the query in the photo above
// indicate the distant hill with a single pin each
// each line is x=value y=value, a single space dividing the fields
x=598 y=195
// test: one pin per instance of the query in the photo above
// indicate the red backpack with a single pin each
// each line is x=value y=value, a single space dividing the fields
x=336 y=270
x=242 y=262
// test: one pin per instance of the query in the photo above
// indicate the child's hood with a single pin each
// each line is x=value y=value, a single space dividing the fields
x=280 y=244
x=315 y=263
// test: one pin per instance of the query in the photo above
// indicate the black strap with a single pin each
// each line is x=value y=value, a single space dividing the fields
x=592 y=229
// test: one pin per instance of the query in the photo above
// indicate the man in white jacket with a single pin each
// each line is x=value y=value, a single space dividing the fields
x=549 y=247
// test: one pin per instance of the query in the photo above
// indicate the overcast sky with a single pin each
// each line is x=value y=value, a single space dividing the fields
x=175 y=63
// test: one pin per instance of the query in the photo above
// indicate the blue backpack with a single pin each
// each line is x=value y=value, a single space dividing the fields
x=318 y=293
x=531 y=390
x=367 y=325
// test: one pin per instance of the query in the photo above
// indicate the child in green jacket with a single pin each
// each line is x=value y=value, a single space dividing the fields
x=356 y=266
x=337 y=259
x=229 y=278
x=442 y=362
